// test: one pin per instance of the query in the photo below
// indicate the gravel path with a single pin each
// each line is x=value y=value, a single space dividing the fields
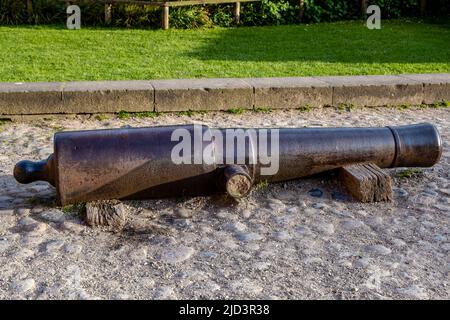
x=282 y=242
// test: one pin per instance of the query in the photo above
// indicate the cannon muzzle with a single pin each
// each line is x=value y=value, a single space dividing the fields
x=169 y=161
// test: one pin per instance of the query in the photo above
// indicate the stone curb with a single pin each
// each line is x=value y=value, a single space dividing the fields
x=220 y=94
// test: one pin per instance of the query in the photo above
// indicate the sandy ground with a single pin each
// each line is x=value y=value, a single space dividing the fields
x=279 y=243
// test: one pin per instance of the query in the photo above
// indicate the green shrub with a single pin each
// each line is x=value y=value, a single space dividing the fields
x=266 y=12
x=222 y=16
x=12 y=12
x=331 y=10
x=131 y=15
x=190 y=17
x=269 y=12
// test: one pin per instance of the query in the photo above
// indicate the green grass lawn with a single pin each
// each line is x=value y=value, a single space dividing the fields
x=50 y=53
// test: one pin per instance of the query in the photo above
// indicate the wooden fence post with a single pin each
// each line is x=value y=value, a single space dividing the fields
x=237 y=13
x=363 y=8
x=301 y=13
x=165 y=16
x=423 y=4
x=30 y=12
x=108 y=13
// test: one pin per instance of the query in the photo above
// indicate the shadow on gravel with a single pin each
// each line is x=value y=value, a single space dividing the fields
x=14 y=195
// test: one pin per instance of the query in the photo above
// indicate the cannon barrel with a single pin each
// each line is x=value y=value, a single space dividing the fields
x=170 y=161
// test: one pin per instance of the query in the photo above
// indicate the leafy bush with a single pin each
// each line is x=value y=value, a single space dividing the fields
x=222 y=15
x=330 y=10
x=438 y=7
x=131 y=15
x=278 y=12
x=47 y=11
x=12 y=12
x=190 y=17
x=269 y=12
x=265 y=12
x=393 y=9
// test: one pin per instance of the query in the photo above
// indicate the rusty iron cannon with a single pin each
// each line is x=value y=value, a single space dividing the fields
x=187 y=160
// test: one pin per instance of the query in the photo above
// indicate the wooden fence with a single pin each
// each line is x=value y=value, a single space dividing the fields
x=165 y=7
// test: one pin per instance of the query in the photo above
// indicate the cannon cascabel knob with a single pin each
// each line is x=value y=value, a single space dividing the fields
x=27 y=171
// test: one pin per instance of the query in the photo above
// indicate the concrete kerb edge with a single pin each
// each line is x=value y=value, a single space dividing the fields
x=411 y=96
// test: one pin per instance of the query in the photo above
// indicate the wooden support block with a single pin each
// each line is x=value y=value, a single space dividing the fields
x=366 y=182
x=110 y=213
x=237 y=13
x=108 y=12
x=165 y=17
